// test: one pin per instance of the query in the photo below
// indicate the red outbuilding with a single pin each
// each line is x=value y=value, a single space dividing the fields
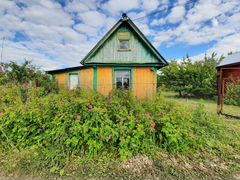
x=228 y=71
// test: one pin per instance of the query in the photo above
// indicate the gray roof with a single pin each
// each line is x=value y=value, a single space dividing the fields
x=231 y=59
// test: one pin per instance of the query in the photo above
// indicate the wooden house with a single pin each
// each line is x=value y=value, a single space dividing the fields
x=123 y=58
x=228 y=71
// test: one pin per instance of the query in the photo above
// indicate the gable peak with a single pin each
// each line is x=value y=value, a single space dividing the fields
x=124 y=17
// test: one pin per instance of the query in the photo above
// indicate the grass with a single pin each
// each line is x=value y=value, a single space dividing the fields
x=225 y=155
x=211 y=105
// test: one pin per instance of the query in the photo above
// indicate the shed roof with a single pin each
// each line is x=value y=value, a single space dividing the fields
x=66 y=69
x=231 y=59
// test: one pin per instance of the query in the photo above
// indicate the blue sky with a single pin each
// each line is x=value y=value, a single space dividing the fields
x=56 y=34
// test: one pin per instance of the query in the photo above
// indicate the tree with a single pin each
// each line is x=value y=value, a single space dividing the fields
x=191 y=78
x=26 y=74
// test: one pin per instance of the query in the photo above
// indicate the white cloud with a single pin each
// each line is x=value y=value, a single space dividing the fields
x=117 y=6
x=157 y=22
x=85 y=29
x=93 y=18
x=78 y=6
x=227 y=44
x=9 y=7
x=198 y=30
x=47 y=16
x=176 y=14
x=18 y=53
x=150 y=5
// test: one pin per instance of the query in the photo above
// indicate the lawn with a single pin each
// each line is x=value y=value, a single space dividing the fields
x=210 y=105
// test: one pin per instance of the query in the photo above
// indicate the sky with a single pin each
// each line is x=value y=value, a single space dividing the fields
x=56 y=34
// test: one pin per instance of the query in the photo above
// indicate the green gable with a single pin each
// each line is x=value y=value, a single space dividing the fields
x=140 y=49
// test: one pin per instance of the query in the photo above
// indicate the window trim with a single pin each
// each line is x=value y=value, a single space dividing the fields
x=124 y=69
x=73 y=73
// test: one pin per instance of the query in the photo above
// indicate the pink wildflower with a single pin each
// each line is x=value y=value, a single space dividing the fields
x=1 y=114
x=90 y=107
x=153 y=125
x=148 y=115
x=79 y=117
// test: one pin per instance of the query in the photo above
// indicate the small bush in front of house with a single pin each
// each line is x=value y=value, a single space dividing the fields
x=54 y=128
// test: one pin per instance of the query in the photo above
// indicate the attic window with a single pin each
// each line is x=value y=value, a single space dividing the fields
x=124 y=45
x=124 y=38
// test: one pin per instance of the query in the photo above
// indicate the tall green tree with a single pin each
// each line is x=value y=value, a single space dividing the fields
x=26 y=74
x=191 y=78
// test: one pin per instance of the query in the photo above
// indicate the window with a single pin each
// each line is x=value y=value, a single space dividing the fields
x=122 y=79
x=124 y=40
x=124 y=45
x=73 y=81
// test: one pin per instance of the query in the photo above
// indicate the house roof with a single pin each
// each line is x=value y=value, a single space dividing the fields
x=66 y=69
x=125 y=19
x=231 y=59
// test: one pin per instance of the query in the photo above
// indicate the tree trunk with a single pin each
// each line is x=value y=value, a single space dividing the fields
x=180 y=93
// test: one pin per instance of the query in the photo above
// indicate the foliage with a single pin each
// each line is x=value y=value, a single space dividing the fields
x=191 y=78
x=25 y=75
x=233 y=93
x=55 y=131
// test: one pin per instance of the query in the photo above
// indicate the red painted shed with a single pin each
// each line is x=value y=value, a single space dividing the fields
x=228 y=71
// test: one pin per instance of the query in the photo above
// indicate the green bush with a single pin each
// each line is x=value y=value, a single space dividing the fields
x=233 y=94
x=191 y=78
x=79 y=123
x=27 y=75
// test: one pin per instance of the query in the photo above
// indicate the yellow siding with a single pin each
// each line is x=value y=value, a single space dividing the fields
x=105 y=80
x=145 y=83
x=62 y=80
x=86 y=78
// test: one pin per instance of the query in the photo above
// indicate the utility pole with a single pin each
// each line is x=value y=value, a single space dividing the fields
x=2 y=49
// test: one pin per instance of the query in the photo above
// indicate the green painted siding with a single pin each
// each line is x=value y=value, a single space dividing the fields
x=110 y=53
x=95 y=83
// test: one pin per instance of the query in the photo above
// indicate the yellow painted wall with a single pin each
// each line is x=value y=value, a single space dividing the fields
x=105 y=80
x=62 y=80
x=86 y=78
x=145 y=83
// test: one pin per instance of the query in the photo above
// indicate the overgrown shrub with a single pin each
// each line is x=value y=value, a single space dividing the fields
x=233 y=93
x=79 y=123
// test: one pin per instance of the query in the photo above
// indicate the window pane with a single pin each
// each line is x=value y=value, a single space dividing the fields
x=122 y=79
x=126 y=83
x=124 y=44
x=119 y=82
x=73 y=81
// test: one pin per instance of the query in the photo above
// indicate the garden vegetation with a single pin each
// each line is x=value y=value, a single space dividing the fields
x=54 y=132
x=192 y=78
